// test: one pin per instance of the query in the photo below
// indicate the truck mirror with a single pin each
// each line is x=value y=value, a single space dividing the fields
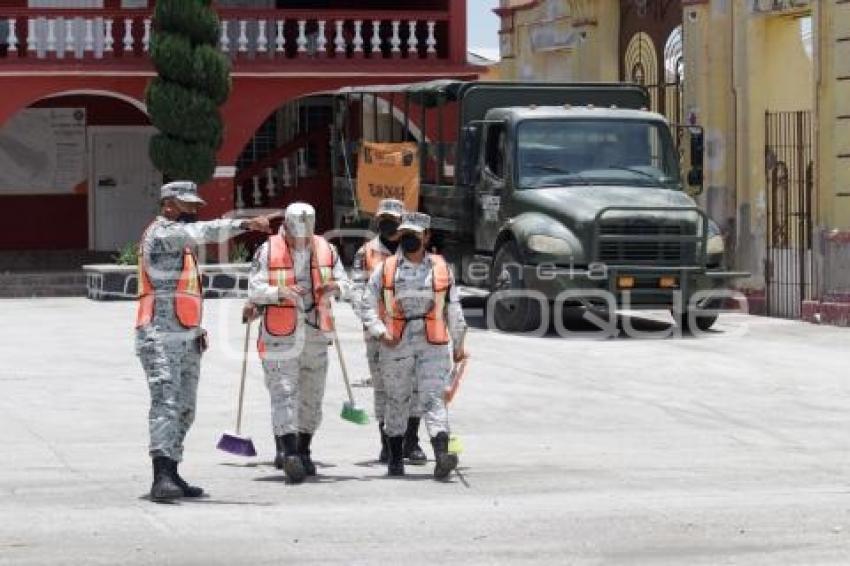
x=467 y=159
x=695 y=175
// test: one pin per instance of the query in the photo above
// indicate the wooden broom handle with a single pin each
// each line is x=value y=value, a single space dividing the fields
x=242 y=380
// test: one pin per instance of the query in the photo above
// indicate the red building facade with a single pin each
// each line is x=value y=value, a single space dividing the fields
x=77 y=70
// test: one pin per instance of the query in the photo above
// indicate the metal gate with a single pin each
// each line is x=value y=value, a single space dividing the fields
x=789 y=273
x=651 y=52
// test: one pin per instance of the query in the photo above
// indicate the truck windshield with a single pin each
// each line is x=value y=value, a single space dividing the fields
x=595 y=152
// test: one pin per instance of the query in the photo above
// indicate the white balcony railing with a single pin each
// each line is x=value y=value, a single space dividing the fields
x=257 y=36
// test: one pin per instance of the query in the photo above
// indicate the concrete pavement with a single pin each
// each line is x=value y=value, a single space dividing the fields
x=730 y=448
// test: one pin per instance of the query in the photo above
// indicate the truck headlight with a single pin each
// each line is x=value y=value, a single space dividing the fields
x=715 y=239
x=715 y=245
x=549 y=245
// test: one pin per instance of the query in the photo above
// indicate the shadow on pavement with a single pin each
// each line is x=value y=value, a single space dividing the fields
x=205 y=500
x=321 y=478
x=573 y=321
x=246 y=465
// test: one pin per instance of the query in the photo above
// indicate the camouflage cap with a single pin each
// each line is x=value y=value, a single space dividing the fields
x=185 y=191
x=390 y=207
x=415 y=222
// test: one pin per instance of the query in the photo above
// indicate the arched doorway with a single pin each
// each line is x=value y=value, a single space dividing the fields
x=287 y=159
x=302 y=152
x=75 y=173
x=651 y=52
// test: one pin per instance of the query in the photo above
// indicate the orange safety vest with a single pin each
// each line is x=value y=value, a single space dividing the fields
x=280 y=320
x=188 y=297
x=374 y=255
x=436 y=329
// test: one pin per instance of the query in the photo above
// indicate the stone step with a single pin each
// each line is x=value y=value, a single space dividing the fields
x=43 y=284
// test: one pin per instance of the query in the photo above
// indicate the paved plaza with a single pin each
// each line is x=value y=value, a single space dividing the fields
x=727 y=448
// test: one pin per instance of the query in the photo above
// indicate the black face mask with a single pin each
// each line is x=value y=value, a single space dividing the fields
x=392 y=246
x=387 y=227
x=410 y=243
x=187 y=218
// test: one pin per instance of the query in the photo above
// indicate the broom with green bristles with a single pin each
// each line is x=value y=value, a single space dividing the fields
x=458 y=372
x=350 y=411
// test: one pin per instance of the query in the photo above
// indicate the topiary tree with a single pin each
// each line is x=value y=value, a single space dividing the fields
x=193 y=82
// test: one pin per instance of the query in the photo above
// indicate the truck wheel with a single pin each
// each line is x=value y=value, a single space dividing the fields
x=701 y=323
x=515 y=313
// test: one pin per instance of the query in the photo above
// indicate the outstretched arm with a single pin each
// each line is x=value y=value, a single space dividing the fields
x=177 y=235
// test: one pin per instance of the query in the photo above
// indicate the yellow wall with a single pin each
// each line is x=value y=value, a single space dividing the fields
x=831 y=24
x=594 y=57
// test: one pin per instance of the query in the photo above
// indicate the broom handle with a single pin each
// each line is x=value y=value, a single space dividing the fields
x=331 y=303
x=242 y=380
x=457 y=372
x=342 y=365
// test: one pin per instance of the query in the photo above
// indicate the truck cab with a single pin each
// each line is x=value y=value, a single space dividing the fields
x=572 y=195
x=573 y=198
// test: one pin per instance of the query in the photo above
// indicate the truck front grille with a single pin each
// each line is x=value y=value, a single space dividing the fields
x=623 y=251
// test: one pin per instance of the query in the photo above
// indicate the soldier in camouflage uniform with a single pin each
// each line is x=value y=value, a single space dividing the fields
x=169 y=338
x=368 y=257
x=412 y=304
x=293 y=284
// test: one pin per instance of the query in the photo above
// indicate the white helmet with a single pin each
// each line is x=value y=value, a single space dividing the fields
x=300 y=220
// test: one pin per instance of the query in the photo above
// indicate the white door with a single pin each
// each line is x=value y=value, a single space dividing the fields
x=125 y=187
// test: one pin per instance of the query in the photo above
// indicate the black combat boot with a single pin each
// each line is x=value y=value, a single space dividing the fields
x=395 y=445
x=446 y=461
x=188 y=490
x=412 y=451
x=279 y=455
x=164 y=489
x=383 y=457
x=293 y=467
x=304 y=440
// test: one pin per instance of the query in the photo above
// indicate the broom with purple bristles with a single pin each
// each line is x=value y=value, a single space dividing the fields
x=236 y=443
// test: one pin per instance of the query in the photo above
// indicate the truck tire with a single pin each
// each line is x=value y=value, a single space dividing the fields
x=699 y=323
x=512 y=314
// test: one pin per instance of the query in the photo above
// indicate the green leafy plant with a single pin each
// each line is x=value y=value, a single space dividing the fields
x=193 y=82
x=127 y=255
x=240 y=253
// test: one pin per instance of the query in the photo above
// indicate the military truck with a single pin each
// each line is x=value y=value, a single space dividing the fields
x=571 y=194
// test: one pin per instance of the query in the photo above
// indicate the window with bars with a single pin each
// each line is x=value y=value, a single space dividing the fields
x=262 y=144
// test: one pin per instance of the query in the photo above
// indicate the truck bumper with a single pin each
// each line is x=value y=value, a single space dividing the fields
x=581 y=287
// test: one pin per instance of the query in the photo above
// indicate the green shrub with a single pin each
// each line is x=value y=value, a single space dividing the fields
x=239 y=253
x=188 y=17
x=193 y=82
x=183 y=160
x=184 y=113
x=127 y=255
x=211 y=73
x=172 y=56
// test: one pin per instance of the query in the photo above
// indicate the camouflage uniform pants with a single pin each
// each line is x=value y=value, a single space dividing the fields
x=373 y=356
x=296 y=370
x=172 y=366
x=416 y=364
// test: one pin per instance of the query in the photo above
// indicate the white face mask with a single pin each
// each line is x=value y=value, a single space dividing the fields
x=298 y=230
